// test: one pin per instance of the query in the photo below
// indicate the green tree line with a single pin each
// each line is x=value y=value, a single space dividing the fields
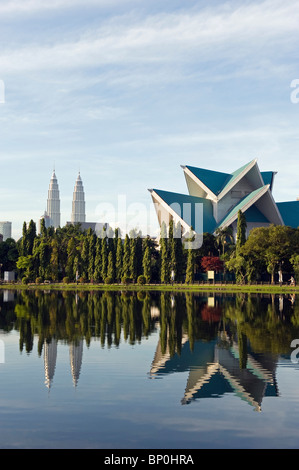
x=69 y=254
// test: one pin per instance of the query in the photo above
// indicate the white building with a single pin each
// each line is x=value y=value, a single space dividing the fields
x=47 y=220
x=5 y=230
x=215 y=198
x=78 y=206
x=53 y=203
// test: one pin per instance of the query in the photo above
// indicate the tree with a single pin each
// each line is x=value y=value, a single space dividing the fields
x=147 y=264
x=190 y=266
x=119 y=260
x=126 y=258
x=133 y=259
x=241 y=231
x=110 y=269
x=165 y=265
x=223 y=237
x=272 y=246
x=30 y=236
x=98 y=261
x=104 y=255
x=295 y=263
x=212 y=263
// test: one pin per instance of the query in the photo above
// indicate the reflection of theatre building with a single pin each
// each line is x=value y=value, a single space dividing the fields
x=214 y=370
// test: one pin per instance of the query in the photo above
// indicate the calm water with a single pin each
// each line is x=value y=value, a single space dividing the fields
x=148 y=371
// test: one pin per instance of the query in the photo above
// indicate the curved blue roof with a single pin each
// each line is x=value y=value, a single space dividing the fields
x=289 y=212
x=188 y=214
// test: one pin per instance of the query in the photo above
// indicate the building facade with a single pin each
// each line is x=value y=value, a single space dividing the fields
x=215 y=199
x=53 y=202
x=5 y=230
x=78 y=205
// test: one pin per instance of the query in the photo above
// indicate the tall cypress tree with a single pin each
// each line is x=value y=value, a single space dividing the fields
x=119 y=260
x=165 y=274
x=104 y=253
x=147 y=264
x=31 y=235
x=241 y=231
x=98 y=261
x=190 y=266
x=91 y=255
x=110 y=268
x=133 y=259
x=126 y=257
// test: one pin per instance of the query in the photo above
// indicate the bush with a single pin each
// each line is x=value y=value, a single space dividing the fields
x=141 y=280
x=108 y=280
x=65 y=280
x=25 y=280
x=38 y=280
x=126 y=280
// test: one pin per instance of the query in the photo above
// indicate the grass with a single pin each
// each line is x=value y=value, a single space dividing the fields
x=230 y=288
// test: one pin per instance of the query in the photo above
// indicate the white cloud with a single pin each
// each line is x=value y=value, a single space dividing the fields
x=9 y=7
x=166 y=37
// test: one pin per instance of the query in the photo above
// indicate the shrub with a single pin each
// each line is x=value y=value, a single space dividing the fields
x=141 y=280
x=126 y=280
x=65 y=280
x=108 y=280
x=38 y=280
x=25 y=280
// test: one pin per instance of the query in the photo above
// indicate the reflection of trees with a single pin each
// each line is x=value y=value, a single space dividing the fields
x=69 y=317
x=268 y=323
x=259 y=319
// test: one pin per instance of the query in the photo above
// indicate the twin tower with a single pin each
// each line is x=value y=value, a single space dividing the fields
x=53 y=215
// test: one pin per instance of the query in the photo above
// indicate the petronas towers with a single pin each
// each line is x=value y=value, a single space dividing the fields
x=53 y=214
x=78 y=207
x=53 y=203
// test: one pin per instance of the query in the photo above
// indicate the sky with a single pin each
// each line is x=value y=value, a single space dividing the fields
x=127 y=91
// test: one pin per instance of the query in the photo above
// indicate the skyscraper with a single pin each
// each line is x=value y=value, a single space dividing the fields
x=78 y=207
x=53 y=203
x=5 y=230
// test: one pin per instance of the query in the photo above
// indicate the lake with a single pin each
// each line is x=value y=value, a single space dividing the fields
x=148 y=370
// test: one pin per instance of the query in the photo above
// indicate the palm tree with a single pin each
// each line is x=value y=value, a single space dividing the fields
x=223 y=235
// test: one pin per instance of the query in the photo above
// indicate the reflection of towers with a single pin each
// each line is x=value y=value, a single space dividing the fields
x=50 y=356
x=53 y=203
x=78 y=207
x=76 y=354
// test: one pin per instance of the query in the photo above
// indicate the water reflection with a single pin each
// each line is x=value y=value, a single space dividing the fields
x=225 y=343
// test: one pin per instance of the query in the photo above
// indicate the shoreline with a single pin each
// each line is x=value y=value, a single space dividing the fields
x=230 y=288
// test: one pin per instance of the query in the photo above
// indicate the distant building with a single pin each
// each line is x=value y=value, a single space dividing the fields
x=47 y=220
x=78 y=206
x=5 y=230
x=53 y=203
x=215 y=198
x=96 y=227
x=9 y=276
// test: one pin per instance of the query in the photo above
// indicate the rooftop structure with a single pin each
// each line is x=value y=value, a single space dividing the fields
x=215 y=199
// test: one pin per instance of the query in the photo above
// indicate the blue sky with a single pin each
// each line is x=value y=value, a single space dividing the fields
x=129 y=90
